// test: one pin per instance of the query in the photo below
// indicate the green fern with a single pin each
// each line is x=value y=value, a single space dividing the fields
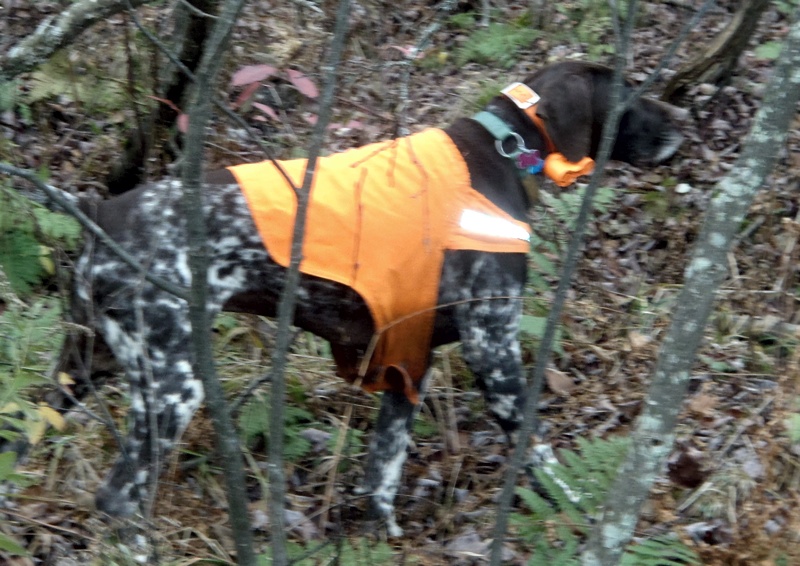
x=575 y=492
x=28 y=232
x=664 y=550
x=498 y=44
x=549 y=239
x=254 y=423
x=352 y=552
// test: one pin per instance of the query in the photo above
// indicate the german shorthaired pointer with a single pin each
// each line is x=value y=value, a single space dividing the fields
x=479 y=292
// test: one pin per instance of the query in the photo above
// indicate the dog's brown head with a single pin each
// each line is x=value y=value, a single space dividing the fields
x=575 y=103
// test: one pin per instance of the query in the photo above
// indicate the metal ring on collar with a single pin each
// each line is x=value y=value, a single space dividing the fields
x=519 y=150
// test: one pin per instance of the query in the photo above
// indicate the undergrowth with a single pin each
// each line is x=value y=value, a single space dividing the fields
x=575 y=491
x=28 y=233
x=498 y=44
x=28 y=335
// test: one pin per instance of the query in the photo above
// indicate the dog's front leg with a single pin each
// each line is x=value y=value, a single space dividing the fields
x=387 y=453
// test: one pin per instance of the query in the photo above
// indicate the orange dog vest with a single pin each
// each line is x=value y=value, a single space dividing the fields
x=379 y=221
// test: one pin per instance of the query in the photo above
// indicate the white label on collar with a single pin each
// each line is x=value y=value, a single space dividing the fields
x=484 y=224
x=522 y=95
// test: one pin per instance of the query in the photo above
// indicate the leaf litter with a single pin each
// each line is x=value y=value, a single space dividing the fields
x=733 y=485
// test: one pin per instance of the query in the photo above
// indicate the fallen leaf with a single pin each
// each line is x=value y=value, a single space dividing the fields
x=53 y=417
x=639 y=340
x=65 y=379
x=559 y=382
x=703 y=404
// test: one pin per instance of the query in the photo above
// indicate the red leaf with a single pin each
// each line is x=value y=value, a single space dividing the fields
x=183 y=123
x=409 y=51
x=267 y=110
x=167 y=102
x=302 y=83
x=252 y=74
x=248 y=91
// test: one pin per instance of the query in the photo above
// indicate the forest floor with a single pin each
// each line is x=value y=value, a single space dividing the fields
x=732 y=491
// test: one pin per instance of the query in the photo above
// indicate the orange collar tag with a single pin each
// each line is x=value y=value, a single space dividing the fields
x=521 y=94
x=526 y=100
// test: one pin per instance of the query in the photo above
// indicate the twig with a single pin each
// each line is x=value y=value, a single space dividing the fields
x=69 y=203
x=536 y=384
x=197 y=11
x=56 y=32
x=203 y=359
x=286 y=306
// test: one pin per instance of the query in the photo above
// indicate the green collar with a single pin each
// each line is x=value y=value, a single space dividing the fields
x=527 y=160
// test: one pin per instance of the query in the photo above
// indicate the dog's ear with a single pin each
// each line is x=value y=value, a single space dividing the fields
x=566 y=109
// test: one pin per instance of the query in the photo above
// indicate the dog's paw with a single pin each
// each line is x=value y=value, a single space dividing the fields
x=117 y=502
x=543 y=458
x=380 y=510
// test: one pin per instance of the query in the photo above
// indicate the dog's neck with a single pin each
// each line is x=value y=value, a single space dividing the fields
x=507 y=111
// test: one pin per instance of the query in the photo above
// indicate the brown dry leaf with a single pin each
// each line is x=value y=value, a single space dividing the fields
x=703 y=404
x=559 y=382
x=639 y=340
x=601 y=353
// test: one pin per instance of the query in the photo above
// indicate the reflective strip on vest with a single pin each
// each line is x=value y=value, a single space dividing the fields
x=485 y=224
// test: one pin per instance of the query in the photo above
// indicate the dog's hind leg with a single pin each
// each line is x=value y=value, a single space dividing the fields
x=387 y=454
x=151 y=340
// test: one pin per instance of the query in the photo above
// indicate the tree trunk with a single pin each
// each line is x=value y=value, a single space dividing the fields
x=654 y=432
x=719 y=59
x=192 y=28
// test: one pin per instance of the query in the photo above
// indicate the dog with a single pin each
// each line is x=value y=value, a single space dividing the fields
x=477 y=294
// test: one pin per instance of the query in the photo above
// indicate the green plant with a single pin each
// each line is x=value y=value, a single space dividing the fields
x=487 y=90
x=589 y=23
x=498 y=44
x=28 y=232
x=28 y=333
x=575 y=492
x=793 y=423
x=88 y=85
x=28 y=336
x=786 y=7
x=352 y=551
x=254 y=424
x=549 y=238
x=464 y=20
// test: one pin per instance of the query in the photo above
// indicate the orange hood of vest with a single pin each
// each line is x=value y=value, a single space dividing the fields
x=379 y=221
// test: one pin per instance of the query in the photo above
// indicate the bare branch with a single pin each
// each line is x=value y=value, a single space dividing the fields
x=58 y=31
x=286 y=306
x=543 y=354
x=69 y=204
x=203 y=363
